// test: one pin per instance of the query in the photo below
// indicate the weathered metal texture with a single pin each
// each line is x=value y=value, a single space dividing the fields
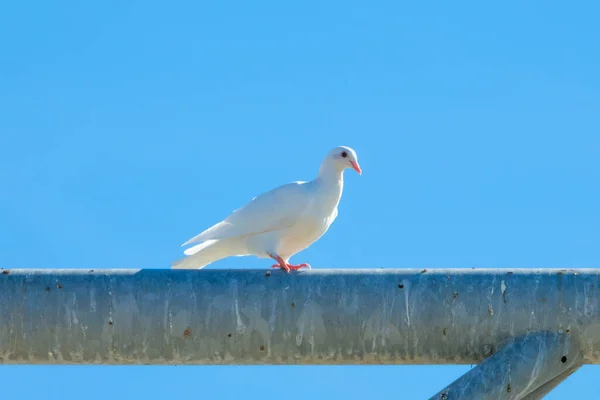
x=546 y=388
x=374 y=316
x=525 y=368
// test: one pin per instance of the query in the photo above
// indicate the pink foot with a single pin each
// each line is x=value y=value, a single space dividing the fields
x=299 y=266
x=285 y=266
x=292 y=267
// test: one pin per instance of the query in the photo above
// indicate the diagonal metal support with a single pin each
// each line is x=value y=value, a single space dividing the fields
x=525 y=368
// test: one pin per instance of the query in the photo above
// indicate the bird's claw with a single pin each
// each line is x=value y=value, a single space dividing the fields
x=299 y=266
x=290 y=267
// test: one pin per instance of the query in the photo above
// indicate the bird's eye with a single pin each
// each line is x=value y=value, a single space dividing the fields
x=344 y=154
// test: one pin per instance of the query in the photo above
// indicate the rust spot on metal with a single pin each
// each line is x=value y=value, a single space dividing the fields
x=425 y=270
x=508 y=388
x=262 y=348
x=293 y=304
x=400 y=286
x=6 y=271
x=229 y=335
x=187 y=333
x=444 y=331
x=510 y=273
x=268 y=273
x=59 y=285
x=110 y=322
x=454 y=295
x=568 y=331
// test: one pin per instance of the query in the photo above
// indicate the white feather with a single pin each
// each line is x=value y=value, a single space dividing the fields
x=273 y=210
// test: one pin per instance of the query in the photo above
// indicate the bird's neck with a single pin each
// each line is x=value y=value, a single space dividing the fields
x=330 y=184
x=330 y=174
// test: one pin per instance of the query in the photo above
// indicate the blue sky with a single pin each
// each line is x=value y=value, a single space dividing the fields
x=127 y=127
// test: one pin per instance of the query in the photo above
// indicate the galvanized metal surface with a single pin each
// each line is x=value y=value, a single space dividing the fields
x=383 y=316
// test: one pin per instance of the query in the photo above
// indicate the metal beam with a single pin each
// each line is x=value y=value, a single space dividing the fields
x=369 y=316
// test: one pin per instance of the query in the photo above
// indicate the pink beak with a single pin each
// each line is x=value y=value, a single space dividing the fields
x=356 y=167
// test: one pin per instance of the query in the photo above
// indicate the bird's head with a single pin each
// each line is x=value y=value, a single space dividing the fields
x=343 y=157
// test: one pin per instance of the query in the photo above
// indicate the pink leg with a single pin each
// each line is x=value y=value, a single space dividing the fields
x=280 y=263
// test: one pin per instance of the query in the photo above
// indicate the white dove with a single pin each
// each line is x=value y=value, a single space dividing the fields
x=279 y=223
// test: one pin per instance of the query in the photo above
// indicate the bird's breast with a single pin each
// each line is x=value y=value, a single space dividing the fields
x=314 y=221
x=303 y=234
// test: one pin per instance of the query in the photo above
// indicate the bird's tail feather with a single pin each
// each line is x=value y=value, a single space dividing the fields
x=208 y=252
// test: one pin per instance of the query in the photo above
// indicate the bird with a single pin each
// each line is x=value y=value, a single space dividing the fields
x=279 y=223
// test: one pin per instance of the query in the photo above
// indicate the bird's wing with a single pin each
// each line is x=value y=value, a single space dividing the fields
x=273 y=210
